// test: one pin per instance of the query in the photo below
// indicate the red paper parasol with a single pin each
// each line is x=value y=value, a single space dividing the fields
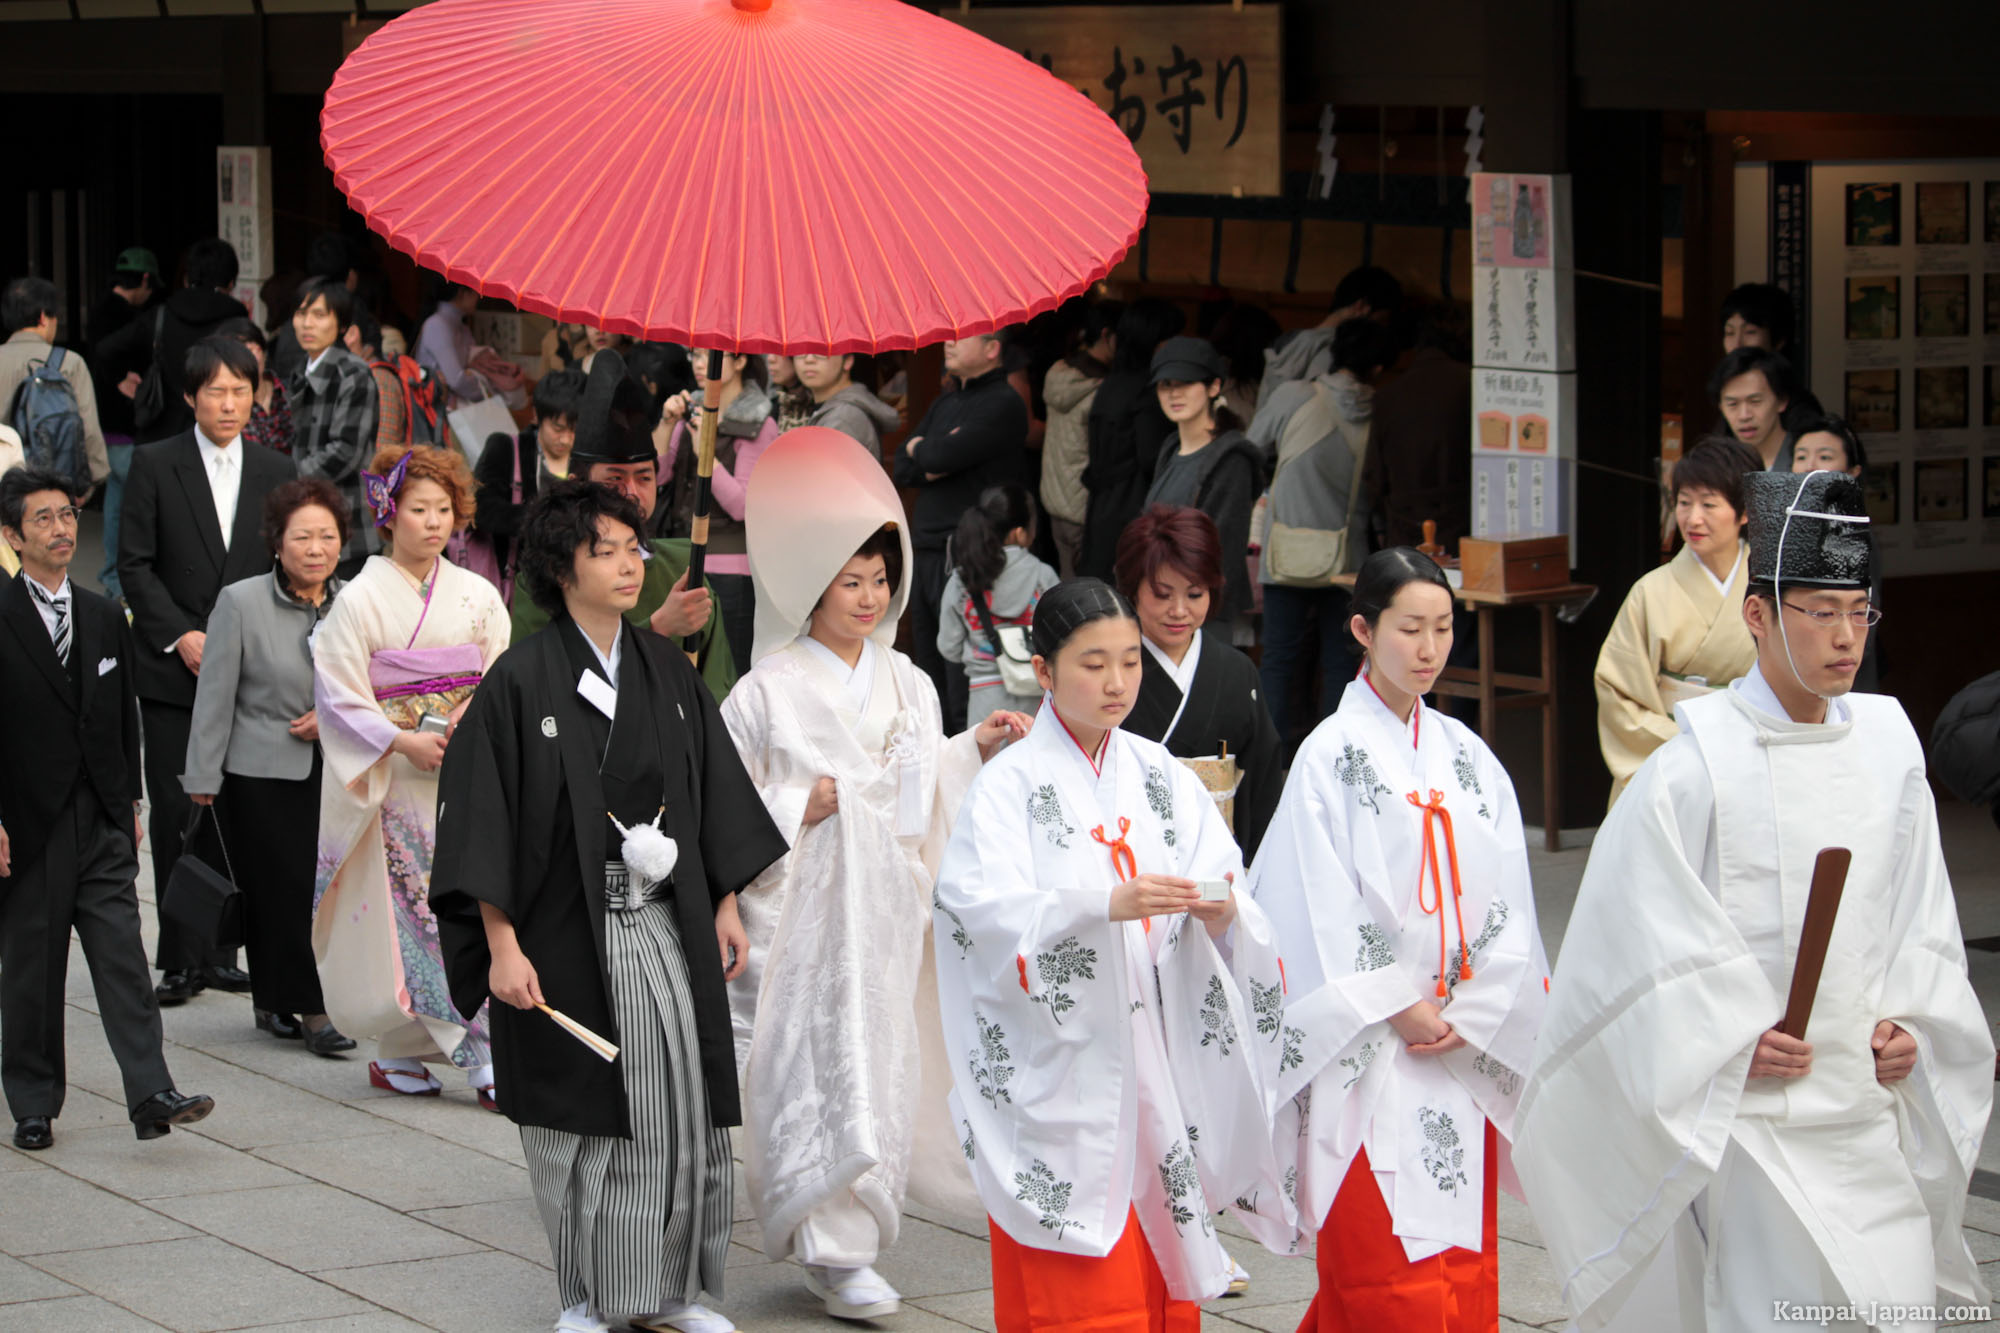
x=753 y=175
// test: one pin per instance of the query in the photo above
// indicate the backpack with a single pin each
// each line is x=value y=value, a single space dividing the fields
x=149 y=402
x=50 y=423
x=423 y=422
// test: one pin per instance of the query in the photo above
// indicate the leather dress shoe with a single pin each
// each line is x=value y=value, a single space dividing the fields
x=227 y=978
x=179 y=987
x=328 y=1040
x=159 y=1113
x=285 y=1026
x=33 y=1133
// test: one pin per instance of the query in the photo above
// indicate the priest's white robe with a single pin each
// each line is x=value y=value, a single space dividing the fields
x=1343 y=866
x=1679 y=957
x=1105 y=1068
x=835 y=1015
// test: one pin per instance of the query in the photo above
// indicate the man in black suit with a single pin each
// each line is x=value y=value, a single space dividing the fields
x=69 y=782
x=192 y=524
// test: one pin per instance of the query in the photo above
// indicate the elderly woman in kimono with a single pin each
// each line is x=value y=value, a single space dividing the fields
x=1680 y=633
x=395 y=663
x=1111 y=1004
x=1397 y=869
x=836 y=1015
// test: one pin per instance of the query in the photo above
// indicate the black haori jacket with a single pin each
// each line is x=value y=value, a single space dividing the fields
x=522 y=803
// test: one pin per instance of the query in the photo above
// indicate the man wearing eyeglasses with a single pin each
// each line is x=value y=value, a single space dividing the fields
x=69 y=825
x=1666 y=1115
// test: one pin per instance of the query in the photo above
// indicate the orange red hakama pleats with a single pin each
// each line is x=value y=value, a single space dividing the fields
x=1123 y=1292
x=1367 y=1284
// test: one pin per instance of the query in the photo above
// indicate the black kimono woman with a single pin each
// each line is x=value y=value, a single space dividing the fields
x=1198 y=694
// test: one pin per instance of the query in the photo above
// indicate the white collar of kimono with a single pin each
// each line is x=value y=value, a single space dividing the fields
x=1371 y=698
x=858 y=680
x=1065 y=740
x=1724 y=585
x=1758 y=692
x=608 y=661
x=1183 y=674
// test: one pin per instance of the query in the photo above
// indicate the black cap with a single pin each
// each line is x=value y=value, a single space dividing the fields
x=1821 y=552
x=614 y=422
x=1187 y=361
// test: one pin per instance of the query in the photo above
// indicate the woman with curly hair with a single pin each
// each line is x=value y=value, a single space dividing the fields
x=396 y=662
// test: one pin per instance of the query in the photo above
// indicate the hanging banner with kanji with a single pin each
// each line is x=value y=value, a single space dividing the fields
x=1198 y=89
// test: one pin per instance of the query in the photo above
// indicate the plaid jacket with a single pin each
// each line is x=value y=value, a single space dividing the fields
x=334 y=407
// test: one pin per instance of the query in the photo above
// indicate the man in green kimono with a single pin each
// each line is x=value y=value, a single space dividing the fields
x=614 y=448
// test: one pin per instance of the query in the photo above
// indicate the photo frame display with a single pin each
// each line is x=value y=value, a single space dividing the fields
x=1944 y=305
x=1874 y=401
x=1874 y=308
x=1941 y=397
x=1944 y=212
x=1875 y=213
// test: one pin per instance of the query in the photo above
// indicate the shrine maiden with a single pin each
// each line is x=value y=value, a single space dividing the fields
x=836 y=1016
x=1663 y=1104
x=1397 y=852
x=1680 y=632
x=1114 y=1030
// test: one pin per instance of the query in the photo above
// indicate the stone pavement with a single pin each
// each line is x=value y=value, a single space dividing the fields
x=311 y=1201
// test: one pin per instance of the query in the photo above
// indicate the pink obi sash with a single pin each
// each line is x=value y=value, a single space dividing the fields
x=409 y=682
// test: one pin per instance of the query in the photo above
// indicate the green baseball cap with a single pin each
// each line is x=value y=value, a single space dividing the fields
x=137 y=259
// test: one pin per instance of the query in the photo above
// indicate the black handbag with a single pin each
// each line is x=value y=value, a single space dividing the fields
x=201 y=900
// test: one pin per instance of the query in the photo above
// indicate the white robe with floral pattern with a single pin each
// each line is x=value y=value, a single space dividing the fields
x=1340 y=867
x=1105 y=1068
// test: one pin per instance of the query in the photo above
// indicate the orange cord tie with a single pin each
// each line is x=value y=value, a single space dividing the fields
x=1123 y=863
x=1435 y=806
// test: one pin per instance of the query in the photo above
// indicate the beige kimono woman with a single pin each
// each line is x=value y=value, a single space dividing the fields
x=1679 y=635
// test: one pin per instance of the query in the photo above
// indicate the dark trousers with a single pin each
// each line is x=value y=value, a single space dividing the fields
x=933 y=571
x=736 y=603
x=83 y=881
x=270 y=827
x=166 y=736
x=1293 y=619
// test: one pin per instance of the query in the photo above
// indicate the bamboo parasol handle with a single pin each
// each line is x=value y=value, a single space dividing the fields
x=704 y=475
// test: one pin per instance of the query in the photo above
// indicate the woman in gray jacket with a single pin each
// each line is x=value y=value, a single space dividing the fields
x=254 y=743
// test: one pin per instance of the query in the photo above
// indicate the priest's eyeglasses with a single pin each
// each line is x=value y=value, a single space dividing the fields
x=1861 y=618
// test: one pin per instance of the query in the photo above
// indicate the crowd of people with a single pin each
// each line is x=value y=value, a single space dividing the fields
x=1074 y=917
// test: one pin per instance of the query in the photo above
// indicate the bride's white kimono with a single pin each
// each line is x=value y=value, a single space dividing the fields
x=1345 y=866
x=836 y=1014
x=1679 y=957
x=1104 y=1068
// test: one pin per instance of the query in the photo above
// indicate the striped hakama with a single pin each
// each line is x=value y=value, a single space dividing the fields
x=637 y=1223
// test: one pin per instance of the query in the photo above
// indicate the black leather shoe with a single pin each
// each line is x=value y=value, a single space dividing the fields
x=279 y=1025
x=160 y=1112
x=179 y=987
x=33 y=1133
x=328 y=1040
x=227 y=978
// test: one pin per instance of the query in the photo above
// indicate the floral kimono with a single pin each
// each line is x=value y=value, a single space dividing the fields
x=388 y=653
x=1106 y=1070
x=836 y=1014
x=1396 y=869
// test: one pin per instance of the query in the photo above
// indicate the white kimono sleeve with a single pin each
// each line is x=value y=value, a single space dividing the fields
x=1942 y=1107
x=1342 y=975
x=1654 y=1011
x=1040 y=1074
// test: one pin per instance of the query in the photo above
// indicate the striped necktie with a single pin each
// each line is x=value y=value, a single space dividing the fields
x=60 y=606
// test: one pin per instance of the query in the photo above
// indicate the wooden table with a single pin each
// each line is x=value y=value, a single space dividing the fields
x=1485 y=682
